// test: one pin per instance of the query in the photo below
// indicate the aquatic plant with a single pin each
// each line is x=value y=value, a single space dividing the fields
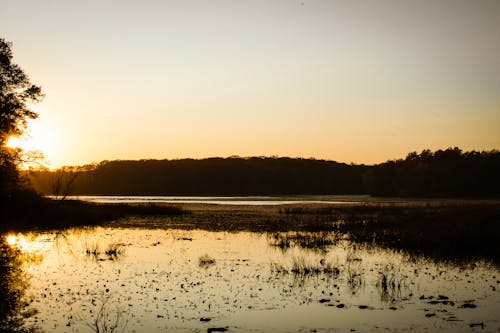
x=280 y=240
x=112 y=252
x=92 y=250
x=443 y=231
x=278 y=268
x=354 y=276
x=319 y=241
x=301 y=267
x=109 y=320
x=205 y=261
x=391 y=283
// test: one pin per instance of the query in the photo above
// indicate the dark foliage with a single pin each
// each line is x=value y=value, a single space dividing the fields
x=444 y=173
x=16 y=91
x=212 y=176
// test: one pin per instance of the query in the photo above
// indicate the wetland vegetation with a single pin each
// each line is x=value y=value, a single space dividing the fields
x=447 y=230
x=196 y=280
x=165 y=268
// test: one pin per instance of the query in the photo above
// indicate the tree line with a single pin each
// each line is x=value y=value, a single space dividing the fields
x=444 y=173
x=449 y=172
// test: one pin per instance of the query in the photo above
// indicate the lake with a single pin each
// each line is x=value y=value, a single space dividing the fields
x=143 y=280
x=253 y=200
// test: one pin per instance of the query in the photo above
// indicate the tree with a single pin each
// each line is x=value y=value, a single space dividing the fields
x=16 y=92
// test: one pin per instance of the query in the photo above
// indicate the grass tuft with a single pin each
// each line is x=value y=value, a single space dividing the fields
x=205 y=261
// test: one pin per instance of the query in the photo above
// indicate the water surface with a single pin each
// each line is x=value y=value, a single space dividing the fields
x=190 y=281
x=259 y=200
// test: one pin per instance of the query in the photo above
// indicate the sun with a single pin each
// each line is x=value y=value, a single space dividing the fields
x=38 y=139
x=30 y=142
x=11 y=239
x=14 y=142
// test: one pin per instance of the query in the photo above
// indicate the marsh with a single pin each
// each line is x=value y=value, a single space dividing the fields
x=160 y=275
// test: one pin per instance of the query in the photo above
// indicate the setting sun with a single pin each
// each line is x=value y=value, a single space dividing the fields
x=11 y=239
x=14 y=142
x=39 y=140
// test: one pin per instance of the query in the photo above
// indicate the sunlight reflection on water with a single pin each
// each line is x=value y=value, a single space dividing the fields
x=230 y=200
x=155 y=281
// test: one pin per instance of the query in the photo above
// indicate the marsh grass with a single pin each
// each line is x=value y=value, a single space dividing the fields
x=92 y=250
x=351 y=251
x=112 y=251
x=108 y=320
x=391 y=284
x=355 y=277
x=318 y=241
x=278 y=268
x=300 y=267
x=205 y=261
x=445 y=231
x=63 y=243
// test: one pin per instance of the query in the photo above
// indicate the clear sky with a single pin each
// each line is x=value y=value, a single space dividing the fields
x=352 y=81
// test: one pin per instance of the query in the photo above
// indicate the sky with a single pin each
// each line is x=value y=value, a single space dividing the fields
x=352 y=81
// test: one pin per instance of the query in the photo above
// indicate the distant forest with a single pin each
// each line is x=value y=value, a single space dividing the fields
x=444 y=173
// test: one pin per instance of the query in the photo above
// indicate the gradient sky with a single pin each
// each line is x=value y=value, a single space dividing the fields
x=352 y=81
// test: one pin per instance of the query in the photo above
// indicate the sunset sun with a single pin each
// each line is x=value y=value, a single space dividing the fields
x=30 y=143
x=11 y=239
x=39 y=140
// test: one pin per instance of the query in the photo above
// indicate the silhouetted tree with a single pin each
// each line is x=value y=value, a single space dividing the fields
x=212 y=176
x=449 y=173
x=63 y=182
x=16 y=91
x=444 y=173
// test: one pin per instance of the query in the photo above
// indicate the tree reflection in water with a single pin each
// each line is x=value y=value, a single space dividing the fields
x=14 y=308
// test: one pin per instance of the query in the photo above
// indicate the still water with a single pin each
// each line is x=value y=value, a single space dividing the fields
x=247 y=200
x=196 y=281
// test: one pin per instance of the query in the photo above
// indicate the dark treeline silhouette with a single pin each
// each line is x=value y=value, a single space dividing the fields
x=444 y=173
x=211 y=176
x=449 y=172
